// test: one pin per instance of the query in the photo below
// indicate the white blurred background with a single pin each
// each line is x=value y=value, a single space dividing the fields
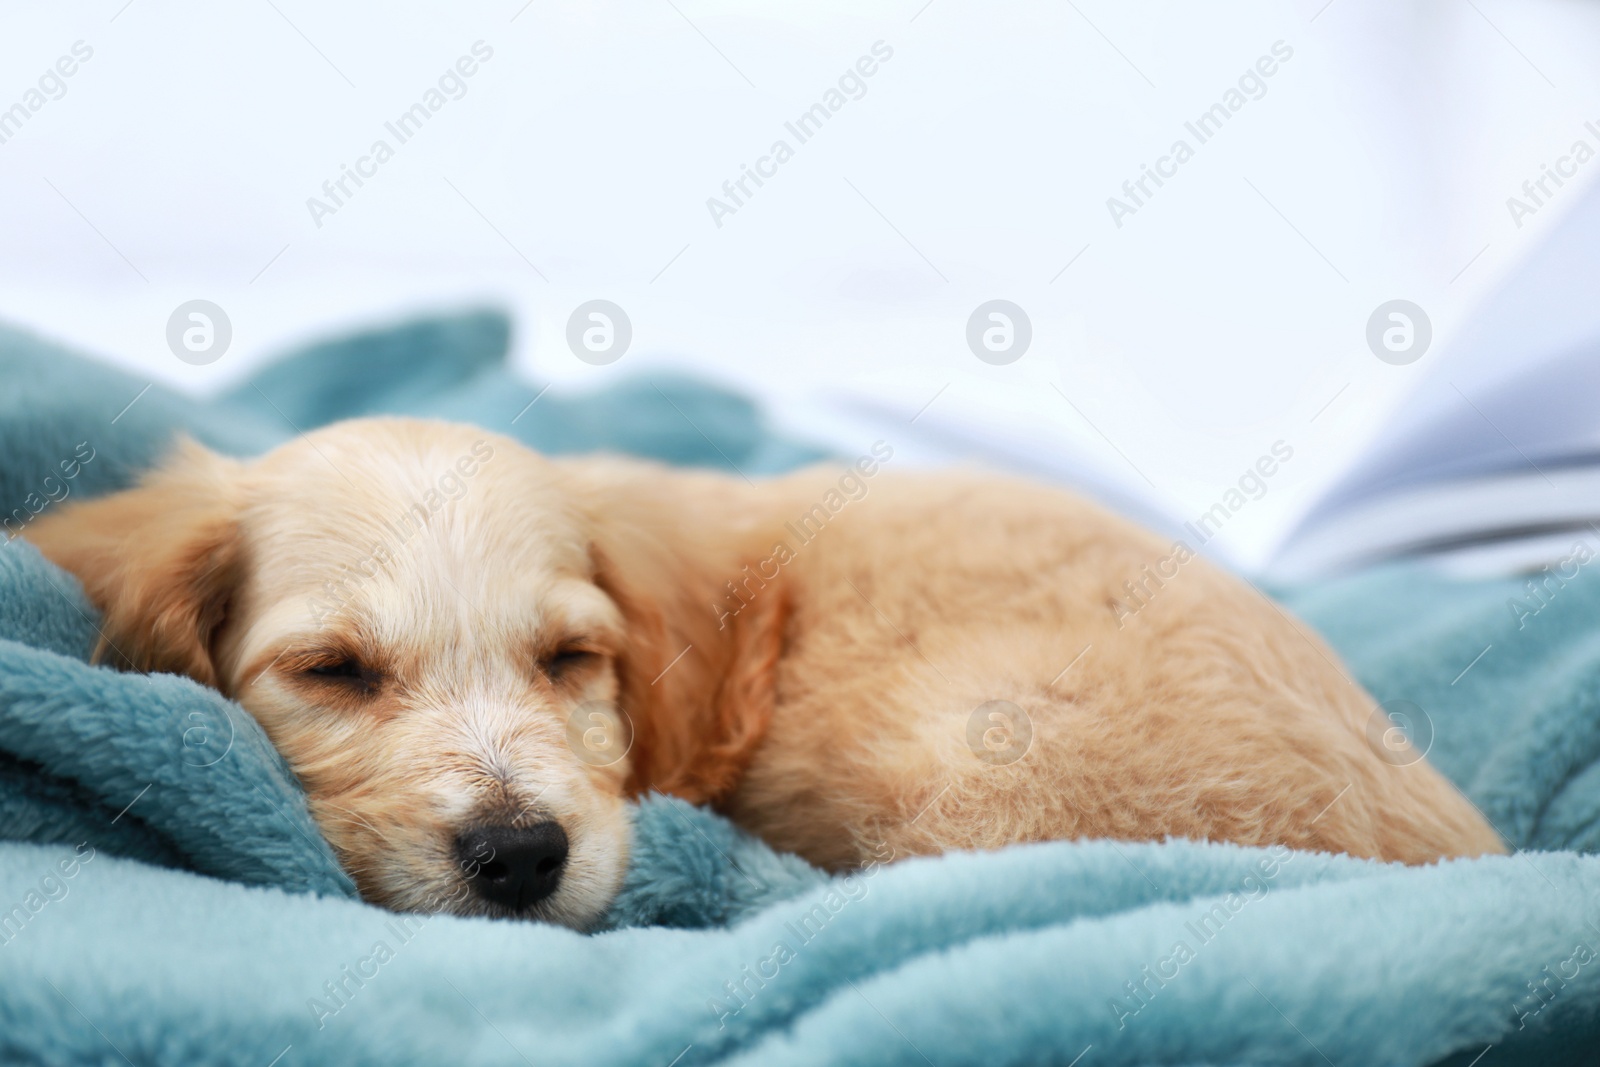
x=1169 y=353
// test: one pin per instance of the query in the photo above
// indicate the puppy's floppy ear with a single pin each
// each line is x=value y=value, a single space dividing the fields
x=697 y=686
x=159 y=561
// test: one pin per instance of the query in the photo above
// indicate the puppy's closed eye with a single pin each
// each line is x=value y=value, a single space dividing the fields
x=345 y=674
x=568 y=661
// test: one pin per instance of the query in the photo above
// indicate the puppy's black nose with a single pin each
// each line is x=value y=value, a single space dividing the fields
x=513 y=867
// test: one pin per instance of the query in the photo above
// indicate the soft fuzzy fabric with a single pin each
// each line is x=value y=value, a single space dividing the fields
x=203 y=919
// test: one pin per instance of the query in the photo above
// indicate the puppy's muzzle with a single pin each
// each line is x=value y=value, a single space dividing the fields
x=511 y=866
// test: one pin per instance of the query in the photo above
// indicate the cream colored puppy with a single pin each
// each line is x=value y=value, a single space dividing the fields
x=471 y=655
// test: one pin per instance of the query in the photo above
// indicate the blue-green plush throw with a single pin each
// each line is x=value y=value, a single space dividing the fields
x=165 y=897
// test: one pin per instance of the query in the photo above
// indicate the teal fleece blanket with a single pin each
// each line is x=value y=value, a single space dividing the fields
x=165 y=897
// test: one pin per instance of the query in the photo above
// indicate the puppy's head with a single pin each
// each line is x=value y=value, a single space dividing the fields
x=411 y=612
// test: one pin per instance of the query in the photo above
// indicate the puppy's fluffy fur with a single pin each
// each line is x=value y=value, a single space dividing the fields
x=424 y=616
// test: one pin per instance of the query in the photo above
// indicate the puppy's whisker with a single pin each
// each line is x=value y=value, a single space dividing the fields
x=349 y=813
x=381 y=835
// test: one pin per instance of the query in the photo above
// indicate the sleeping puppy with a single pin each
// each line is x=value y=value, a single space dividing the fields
x=471 y=655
